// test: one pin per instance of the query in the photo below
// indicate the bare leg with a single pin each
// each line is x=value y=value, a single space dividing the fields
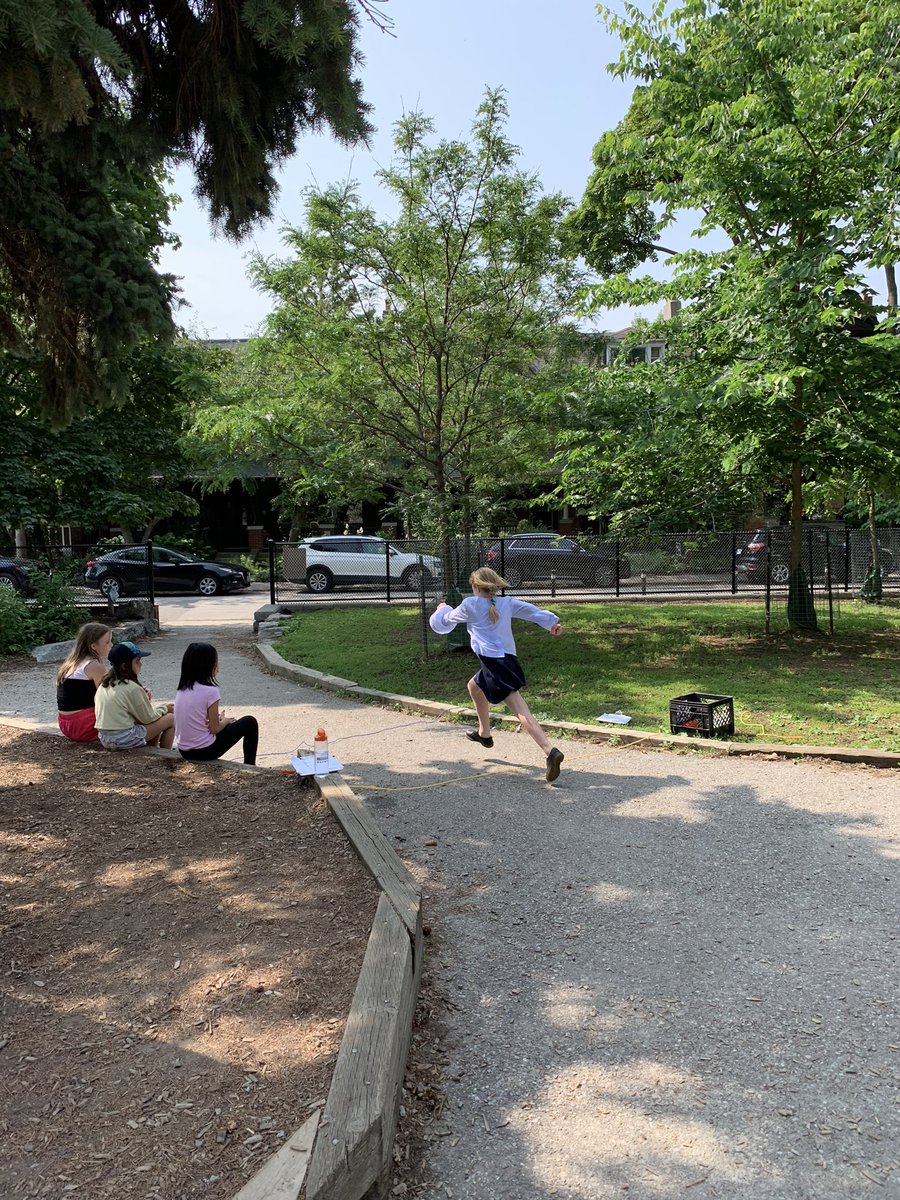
x=520 y=709
x=482 y=708
x=161 y=731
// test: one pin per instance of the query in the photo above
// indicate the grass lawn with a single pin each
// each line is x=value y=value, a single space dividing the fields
x=787 y=687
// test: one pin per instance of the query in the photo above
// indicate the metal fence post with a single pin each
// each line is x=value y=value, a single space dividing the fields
x=847 y=549
x=271 y=571
x=150 y=592
x=768 y=580
x=387 y=572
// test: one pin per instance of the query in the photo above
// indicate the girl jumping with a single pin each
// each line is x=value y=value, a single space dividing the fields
x=488 y=618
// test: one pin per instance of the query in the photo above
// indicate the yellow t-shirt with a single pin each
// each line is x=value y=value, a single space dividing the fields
x=124 y=704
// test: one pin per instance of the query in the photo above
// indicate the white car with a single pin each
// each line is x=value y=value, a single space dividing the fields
x=333 y=561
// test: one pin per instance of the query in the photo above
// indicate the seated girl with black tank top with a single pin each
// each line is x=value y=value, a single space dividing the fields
x=77 y=680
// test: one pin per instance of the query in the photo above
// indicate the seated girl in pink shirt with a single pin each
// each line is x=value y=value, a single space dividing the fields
x=201 y=731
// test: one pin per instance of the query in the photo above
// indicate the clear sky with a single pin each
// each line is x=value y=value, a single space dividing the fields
x=550 y=58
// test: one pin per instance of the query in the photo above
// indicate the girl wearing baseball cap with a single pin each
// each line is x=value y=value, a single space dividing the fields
x=126 y=716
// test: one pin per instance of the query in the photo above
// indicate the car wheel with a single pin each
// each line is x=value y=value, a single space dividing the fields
x=319 y=579
x=111 y=583
x=207 y=585
x=604 y=575
x=7 y=581
x=513 y=576
x=410 y=577
x=781 y=573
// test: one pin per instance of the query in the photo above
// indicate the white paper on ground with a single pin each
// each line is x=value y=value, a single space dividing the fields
x=307 y=765
x=616 y=718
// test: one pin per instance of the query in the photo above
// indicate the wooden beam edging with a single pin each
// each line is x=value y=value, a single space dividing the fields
x=353 y=1151
x=621 y=736
x=378 y=855
x=281 y=1176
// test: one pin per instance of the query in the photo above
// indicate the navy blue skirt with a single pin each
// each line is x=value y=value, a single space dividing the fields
x=499 y=677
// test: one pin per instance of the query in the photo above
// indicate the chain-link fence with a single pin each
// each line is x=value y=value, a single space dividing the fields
x=549 y=565
x=94 y=572
x=550 y=568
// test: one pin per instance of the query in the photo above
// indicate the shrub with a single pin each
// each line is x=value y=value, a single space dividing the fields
x=15 y=623
x=650 y=562
x=53 y=615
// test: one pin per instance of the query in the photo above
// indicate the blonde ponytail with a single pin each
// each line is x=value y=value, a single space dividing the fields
x=488 y=583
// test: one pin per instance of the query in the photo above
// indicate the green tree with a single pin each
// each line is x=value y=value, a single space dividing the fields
x=774 y=121
x=119 y=467
x=416 y=342
x=630 y=450
x=93 y=99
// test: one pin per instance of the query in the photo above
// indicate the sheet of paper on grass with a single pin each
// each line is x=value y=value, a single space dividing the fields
x=306 y=765
x=616 y=718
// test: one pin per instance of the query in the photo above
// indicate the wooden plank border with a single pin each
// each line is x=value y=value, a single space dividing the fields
x=376 y=852
x=353 y=1152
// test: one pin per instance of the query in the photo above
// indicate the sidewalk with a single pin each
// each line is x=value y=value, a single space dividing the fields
x=662 y=973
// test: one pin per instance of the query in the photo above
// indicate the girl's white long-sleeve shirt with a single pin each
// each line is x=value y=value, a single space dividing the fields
x=492 y=640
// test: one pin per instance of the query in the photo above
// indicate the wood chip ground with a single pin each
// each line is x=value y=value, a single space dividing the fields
x=180 y=945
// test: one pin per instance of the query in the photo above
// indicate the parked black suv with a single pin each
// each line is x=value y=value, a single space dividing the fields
x=820 y=548
x=540 y=555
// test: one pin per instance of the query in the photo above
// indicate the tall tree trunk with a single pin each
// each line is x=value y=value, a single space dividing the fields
x=873 y=532
x=796 y=515
x=890 y=279
x=797 y=484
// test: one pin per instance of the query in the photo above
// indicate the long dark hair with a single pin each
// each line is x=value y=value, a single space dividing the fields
x=199 y=665
x=120 y=672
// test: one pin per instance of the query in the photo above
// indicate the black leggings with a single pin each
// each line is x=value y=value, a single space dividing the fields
x=245 y=727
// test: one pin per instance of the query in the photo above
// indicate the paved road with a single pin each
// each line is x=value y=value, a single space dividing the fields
x=664 y=976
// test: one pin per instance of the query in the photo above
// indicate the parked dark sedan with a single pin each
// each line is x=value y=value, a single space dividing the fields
x=817 y=553
x=16 y=573
x=540 y=555
x=125 y=571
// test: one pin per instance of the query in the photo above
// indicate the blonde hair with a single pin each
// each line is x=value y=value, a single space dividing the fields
x=483 y=579
x=86 y=636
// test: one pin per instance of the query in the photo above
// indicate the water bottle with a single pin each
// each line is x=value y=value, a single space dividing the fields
x=320 y=752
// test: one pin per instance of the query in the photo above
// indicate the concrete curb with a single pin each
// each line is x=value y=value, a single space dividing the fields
x=432 y=708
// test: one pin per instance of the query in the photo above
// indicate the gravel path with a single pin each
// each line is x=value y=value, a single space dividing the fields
x=665 y=976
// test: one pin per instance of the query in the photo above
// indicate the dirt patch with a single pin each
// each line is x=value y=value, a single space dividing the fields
x=181 y=945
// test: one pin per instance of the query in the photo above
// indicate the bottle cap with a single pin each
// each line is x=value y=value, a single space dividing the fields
x=320 y=733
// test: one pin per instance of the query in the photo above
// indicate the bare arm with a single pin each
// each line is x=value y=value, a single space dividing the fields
x=95 y=672
x=217 y=721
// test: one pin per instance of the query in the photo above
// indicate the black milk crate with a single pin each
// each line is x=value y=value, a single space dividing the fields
x=698 y=713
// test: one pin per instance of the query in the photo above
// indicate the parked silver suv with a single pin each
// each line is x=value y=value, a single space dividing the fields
x=343 y=560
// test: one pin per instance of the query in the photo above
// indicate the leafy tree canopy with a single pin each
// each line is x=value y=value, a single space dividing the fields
x=93 y=99
x=411 y=346
x=117 y=467
x=774 y=121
